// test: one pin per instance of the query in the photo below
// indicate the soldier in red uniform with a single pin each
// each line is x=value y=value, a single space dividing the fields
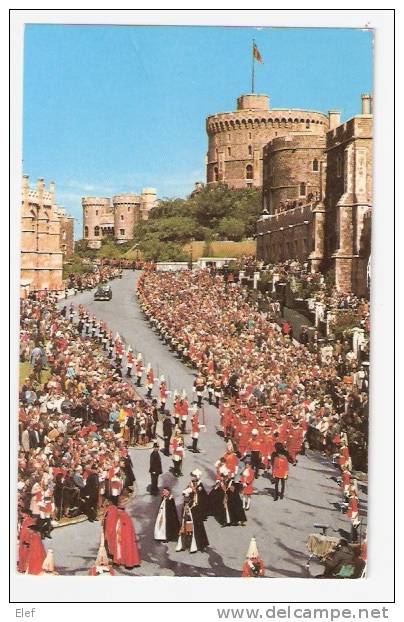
x=195 y=427
x=295 y=440
x=163 y=391
x=246 y=479
x=139 y=369
x=280 y=469
x=149 y=380
x=129 y=362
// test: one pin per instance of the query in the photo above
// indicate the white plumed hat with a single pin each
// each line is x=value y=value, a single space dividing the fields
x=252 y=549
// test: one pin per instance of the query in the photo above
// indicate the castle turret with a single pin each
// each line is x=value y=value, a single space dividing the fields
x=98 y=219
x=126 y=215
x=148 y=200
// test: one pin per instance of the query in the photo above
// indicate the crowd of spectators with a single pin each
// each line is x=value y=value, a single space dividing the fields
x=77 y=417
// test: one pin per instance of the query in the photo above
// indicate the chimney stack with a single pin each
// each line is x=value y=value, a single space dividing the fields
x=334 y=118
x=366 y=103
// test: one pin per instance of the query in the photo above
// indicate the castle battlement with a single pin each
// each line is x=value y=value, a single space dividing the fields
x=236 y=139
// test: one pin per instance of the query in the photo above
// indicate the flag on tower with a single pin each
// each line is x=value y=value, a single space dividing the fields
x=257 y=55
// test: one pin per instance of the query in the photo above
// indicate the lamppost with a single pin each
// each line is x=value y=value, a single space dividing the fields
x=191 y=254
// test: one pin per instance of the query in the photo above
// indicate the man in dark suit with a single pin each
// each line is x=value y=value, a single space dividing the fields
x=34 y=437
x=167 y=431
x=155 y=469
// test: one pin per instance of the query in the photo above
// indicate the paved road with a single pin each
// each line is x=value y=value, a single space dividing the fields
x=281 y=528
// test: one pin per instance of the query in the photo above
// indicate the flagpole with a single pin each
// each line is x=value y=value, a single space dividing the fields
x=252 y=69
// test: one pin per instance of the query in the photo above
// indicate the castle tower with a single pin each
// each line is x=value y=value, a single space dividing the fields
x=348 y=199
x=148 y=200
x=98 y=220
x=292 y=170
x=41 y=255
x=126 y=215
x=236 y=139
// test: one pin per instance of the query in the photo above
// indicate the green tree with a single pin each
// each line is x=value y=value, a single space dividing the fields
x=231 y=229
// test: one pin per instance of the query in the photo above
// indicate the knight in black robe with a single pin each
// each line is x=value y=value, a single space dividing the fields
x=200 y=494
x=192 y=533
x=225 y=503
x=167 y=525
x=89 y=496
x=129 y=474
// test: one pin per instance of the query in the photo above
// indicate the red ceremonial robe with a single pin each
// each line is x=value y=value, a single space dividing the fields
x=110 y=519
x=126 y=552
x=36 y=554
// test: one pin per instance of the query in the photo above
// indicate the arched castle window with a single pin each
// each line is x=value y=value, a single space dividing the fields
x=249 y=172
x=302 y=189
x=96 y=231
x=86 y=231
x=228 y=150
x=122 y=217
x=122 y=231
x=315 y=165
x=216 y=173
x=249 y=150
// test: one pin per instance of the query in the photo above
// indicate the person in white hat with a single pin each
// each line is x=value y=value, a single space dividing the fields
x=139 y=369
x=253 y=566
x=129 y=362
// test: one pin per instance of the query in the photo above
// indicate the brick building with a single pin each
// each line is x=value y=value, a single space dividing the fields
x=236 y=139
x=41 y=238
x=317 y=197
x=118 y=218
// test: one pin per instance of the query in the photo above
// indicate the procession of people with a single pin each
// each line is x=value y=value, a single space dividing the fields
x=90 y=400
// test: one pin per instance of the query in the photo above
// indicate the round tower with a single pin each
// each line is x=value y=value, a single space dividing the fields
x=148 y=201
x=292 y=171
x=236 y=139
x=97 y=219
x=126 y=215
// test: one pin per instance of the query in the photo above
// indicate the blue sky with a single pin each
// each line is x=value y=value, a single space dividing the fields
x=111 y=109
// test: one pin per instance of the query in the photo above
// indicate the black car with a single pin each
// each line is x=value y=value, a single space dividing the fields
x=104 y=292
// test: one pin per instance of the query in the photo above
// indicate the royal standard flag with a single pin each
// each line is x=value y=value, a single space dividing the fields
x=257 y=55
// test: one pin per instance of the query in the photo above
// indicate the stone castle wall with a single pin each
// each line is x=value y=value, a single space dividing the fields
x=287 y=234
x=291 y=170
